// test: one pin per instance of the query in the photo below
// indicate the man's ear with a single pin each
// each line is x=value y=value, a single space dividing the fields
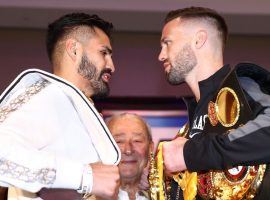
x=71 y=47
x=200 y=38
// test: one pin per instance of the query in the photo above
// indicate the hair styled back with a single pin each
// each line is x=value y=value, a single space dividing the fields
x=200 y=13
x=69 y=23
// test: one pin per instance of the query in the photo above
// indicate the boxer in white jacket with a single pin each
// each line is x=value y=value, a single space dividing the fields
x=51 y=135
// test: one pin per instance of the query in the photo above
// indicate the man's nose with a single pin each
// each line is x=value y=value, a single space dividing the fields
x=162 y=55
x=110 y=64
x=128 y=148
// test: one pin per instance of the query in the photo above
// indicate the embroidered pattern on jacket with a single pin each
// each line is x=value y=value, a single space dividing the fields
x=21 y=99
x=13 y=170
x=19 y=172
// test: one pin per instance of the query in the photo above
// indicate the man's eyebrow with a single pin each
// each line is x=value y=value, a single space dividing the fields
x=162 y=40
x=118 y=134
x=109 y=50
x=140 y=134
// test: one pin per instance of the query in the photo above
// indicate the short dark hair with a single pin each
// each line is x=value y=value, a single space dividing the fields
x=65 y=24
x=201 y=13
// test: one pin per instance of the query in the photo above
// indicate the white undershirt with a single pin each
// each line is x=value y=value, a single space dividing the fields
x=123 y=195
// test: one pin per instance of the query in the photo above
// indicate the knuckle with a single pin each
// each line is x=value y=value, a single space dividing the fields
x=110 y=193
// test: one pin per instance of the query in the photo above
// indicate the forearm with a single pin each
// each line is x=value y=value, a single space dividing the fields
x=247 y=145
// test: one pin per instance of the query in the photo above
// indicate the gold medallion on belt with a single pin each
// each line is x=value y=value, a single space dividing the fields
x=240 y=182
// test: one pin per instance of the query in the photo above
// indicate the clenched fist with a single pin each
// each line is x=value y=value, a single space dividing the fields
x=173 y=155
x=106 y=181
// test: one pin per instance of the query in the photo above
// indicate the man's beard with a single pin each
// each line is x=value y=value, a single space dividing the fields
x=89 y=71
x=184 y=62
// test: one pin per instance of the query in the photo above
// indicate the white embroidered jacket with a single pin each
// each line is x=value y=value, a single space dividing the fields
x=48 y=132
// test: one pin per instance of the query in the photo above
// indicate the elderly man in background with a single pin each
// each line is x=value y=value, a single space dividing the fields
x=134 y=139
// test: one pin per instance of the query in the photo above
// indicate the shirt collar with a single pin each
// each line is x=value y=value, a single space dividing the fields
x=211 y=84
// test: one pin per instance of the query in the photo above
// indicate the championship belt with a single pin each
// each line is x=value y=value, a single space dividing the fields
x=160 y=184
x=229 y=110
x=157 y=180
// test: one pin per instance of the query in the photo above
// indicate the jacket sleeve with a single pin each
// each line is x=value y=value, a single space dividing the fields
x=23 y=164
x=246 y=145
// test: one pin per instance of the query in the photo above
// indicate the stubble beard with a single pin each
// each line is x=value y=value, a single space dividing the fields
x=184 y=62
x=89 y=71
